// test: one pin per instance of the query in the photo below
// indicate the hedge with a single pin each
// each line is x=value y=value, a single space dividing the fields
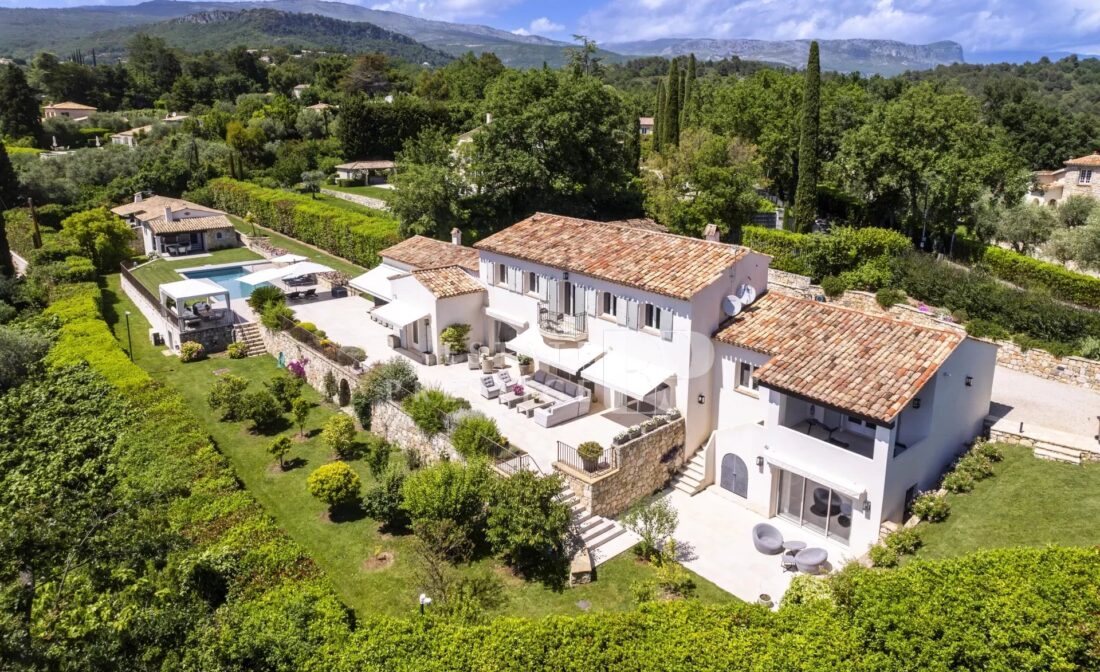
x=350 y=235
x=823 y=254
x=786 y=248
x=1025 y=271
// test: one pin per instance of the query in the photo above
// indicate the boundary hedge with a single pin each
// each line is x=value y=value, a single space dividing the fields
x=1025 y=271
x=352 y=236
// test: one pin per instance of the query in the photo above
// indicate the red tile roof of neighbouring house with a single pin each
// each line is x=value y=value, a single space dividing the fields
x=1090 y=160
x=366 y=165
x=447 y=281
x=69 y=105
x=423 y=252
x=868 y=365
x=188 y=224
x=662 y=263
x=153 y=206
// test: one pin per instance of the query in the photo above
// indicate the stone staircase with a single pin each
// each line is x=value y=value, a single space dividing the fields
x=1045 y=443
x=592 y=531
x=690 y=478
x=249 y=333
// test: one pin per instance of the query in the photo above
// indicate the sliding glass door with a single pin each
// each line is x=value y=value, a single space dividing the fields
x=809 y=504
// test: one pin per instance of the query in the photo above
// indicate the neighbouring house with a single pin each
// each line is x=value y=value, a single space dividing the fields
x=413 y=254
x=645 y=125
x=367 y=172
x=74 y=111
x=298 y=90
x=320 y=107
x=834 y=419
x=1051 y=187
x=131 y=137
x=174 y=118
x=172 y=226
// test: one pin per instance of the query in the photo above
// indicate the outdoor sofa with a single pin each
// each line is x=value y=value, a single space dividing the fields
x=570 y=399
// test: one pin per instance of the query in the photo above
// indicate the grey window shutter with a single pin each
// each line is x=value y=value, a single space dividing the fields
x=620 y=310
x=590 y=301
x=552 y=293
x=543 y=284
x=491 y=267
x=666 y=324
x=632 y=314
x=513 y=272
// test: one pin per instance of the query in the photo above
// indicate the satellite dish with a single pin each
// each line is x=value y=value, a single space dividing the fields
x=747 y=294
x=731 y=305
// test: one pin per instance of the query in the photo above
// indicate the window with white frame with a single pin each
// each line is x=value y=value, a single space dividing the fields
x=1084 y=177
x=532 y=282
x=745 y=380
x=652 y=317
x=608 y=304
x=502 y=275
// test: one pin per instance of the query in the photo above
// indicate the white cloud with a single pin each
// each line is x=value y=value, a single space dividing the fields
x=979 y=25
x=540 y=26
x=445 y=10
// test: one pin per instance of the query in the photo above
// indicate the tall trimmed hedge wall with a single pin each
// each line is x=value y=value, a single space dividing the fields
x=1025 y=271
x=355 y=237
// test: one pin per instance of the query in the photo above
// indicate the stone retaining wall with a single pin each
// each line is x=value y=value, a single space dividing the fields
x=276 y=342
x=389 y=421
x=645 y=466
x=367 y=201
x=792 y=284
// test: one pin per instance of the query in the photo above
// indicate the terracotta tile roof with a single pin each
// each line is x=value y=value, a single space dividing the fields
x=868 y=365
x=422 y=252
x=153 y=207
x=645 y=121
x=366 y=165
x=1090 y=160
x=69 y=105
x=640 y=223
x=447 y=281
x=187 y=224
x=661 y=263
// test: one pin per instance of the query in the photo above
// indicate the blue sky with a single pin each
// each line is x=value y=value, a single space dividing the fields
x=979 y=25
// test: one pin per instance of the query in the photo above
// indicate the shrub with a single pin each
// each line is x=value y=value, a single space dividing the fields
x=785 y=247
x=870 y=275
x=279 y=448
x=447 y=491
x=356 y=353
x=227 y=395
x=833 y=286
x=673 y=580
x=883 y=556
x=384 y=501
x=335 y=484
x=285 y=387
x=958 y=481
x=329 y=384
x=527 y=524
x=988 y=450
x=338 y=435
x=20 y=349
x=977 y=466
x=1089 y=347
x=237 y=350
x=430 y=407
x=888 y=297
x=191 y=351
x=454 y=337
x=261 y=408
x=363 y=407
x=986 y=329
x=311 y=328
x=905 y=541
x=475 y=434
x=276 y=316
x=590 y=450
x=300 y=409
x=654 y=522
x=1026 y=271
x=393 y=379
x=932 y=507
x=264 y=296
x=377 y=454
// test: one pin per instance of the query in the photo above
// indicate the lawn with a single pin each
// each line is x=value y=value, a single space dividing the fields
x=340 y=549
x=380 y=193
x=158 y=272
x=1027 y=502
x=298 y=247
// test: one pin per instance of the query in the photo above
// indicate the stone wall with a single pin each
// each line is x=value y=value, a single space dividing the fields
x=792 y=284
x=366 y=201
x=389 y=421
x=215 y=339
x=645 y=466
x=276 y=342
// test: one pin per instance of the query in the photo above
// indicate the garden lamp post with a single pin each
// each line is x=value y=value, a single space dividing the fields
x=129 y=341
x=424 y=601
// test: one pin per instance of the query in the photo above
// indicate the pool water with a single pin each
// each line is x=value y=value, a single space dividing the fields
x=227 y=277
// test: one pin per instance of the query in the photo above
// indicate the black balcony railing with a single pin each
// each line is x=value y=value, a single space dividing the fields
x=606 y=462
x=558 y=324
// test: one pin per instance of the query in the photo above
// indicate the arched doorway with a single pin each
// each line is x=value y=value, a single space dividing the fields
x=734 y=475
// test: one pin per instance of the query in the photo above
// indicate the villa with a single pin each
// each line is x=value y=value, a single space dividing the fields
x=70 y=110
x=130 y=138
x=172 y=226
x=1051 y=187
x=366 y=172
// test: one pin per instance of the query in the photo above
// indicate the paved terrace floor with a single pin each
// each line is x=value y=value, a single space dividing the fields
x=346 y=321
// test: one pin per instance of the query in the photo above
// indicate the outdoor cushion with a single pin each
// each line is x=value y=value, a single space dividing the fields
x=558 y=385
x=810 y=560
x=570 y=389
x=540 y=376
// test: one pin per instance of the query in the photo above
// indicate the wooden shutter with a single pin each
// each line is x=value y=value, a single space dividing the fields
x=666 y=324
x=590 y=301
x=632 y=314
x=552 y=293
x=492 y=268
x=620 y=310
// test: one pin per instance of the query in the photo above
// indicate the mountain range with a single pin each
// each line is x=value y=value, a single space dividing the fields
x=24 y=32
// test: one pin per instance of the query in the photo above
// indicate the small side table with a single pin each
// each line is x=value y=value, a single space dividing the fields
x=794 y=546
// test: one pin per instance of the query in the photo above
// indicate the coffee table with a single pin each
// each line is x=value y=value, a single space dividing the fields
x=511 y=399
x=528 y=407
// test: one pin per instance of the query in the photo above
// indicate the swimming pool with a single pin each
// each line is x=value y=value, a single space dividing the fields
x=226 y=276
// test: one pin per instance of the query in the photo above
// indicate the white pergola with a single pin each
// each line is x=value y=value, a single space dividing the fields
x=186 y=290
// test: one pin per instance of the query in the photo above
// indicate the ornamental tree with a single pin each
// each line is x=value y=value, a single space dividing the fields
x=527 y=524
x=339 y=435
x=335 y=484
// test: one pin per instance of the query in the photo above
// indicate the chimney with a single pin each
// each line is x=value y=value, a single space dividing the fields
x=488 y=117
x=139 y=197
x=711 y=233
x=456 y=236
x=167 y=213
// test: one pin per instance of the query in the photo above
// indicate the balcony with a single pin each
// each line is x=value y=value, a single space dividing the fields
x=859 y=444
x=562 y=327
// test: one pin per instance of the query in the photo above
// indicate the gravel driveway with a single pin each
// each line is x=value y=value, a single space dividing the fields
x=1033 y=400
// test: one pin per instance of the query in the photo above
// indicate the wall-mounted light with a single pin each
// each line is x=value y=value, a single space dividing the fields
x=760 y=461
x=866 y=507
x=969 y=381
x=916 y=402
x=702 y=399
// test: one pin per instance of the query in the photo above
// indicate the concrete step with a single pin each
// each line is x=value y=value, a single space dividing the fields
x=596 y=529
x=699 y=459
x=1057 y=455
x=694 y=471
x=597 y=542
x=683 y=487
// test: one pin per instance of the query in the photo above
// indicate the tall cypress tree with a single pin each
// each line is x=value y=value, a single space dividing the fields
x=805 y=199
x=671 y=131
x=8 y=196
x=19 y=107
x=689 y=88
x=659 y=118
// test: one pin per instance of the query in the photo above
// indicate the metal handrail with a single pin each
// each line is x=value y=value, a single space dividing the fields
x=608 y=460
x=562 y=324
x=142 y=289
x=331 y=351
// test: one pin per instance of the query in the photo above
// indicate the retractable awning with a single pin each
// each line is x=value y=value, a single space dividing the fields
x=376 y=281
x=399 y=314
x=841 y=485
x=514 y=320
x=629 y=375
x=569 y=359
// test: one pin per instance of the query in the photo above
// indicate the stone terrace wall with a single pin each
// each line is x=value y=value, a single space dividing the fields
x=280 y=341
x=791 y=283
x=389 y=421
x=645 y=465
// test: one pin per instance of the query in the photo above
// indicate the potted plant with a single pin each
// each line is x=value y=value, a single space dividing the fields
x=673 y=414
x=454 y=337
x=659 y=421
x=623 y=437
x=649 y=425
x=526 y=365
x=590 y=453
x=634 y=431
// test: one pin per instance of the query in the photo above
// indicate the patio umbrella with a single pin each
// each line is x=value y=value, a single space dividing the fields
x=288 y=259
x=292 y=271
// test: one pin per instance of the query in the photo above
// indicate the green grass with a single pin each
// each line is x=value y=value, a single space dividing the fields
x=1027 y=502
x=298 y=247
x=158 y=272
x=372 y=191
x=340 y=549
